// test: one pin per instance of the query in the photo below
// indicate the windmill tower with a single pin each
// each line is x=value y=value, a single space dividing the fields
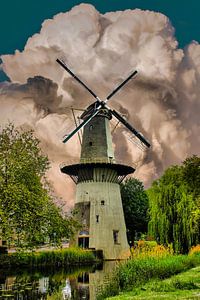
x=98 y=175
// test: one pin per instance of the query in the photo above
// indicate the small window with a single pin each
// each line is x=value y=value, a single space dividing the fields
x=115 y=236
x=90 y=143
x=110 y=159
x=91 y=127
x=102 y=202
x=97 y=218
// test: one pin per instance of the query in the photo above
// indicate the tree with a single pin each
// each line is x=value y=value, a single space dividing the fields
x=174 y=207
x=135 y=206
x=191 y=174
x=27 y=212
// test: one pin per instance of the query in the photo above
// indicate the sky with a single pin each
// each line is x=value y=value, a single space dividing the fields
x=20 y=19
x=102 y=44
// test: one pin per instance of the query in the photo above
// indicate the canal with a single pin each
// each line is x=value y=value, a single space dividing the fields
x=55 y=284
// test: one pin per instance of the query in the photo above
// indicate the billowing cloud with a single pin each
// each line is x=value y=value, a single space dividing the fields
x=162 y=102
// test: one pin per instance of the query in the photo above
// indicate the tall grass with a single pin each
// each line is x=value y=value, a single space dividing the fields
x=72 y=256
x=142 y=268
x=138 y=271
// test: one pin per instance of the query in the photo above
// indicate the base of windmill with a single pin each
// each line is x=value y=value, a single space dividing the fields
x=99 y=208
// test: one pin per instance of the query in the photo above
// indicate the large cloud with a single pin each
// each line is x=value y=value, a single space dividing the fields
x=162 y=102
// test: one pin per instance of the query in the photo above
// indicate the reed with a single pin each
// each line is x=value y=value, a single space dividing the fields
x=138 y=271
x=70 y=256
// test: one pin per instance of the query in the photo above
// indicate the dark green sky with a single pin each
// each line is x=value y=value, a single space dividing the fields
x=22 y=18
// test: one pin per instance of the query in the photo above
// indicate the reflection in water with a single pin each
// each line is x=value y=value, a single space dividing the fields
x=66 y=291
x=51 y=284
x=43 y=285
x=83 y=286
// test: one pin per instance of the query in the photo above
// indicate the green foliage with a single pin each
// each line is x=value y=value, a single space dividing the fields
x=184 y=285
x=136 y=272
x=109 y=288
x=174 y=206
x=69 y=256
x=27 y=213
x=191 y=174
x=135 y=206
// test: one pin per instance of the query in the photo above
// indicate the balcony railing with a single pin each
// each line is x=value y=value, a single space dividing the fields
x=96 y=160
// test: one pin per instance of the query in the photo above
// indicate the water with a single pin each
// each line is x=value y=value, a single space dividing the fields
x=50 y=284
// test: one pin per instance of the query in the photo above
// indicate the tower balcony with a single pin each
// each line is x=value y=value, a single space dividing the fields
x=96 y=169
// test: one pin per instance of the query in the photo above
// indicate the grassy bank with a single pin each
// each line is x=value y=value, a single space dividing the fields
x=144 y=267
x=185 y=285
x=69 y=256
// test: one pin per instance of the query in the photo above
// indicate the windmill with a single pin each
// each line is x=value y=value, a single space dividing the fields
x=98 y=175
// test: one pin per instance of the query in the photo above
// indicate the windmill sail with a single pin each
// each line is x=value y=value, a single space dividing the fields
x=121 y=85
x=93 y=109
x=86 y=120
x=76 y=77
x=132 y=129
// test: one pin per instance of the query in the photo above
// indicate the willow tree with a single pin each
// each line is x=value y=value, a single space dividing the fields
x=174 y=210
x=27 y=213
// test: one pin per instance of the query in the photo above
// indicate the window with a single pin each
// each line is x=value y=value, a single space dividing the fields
x=116 y=236
x=102 y=202
x=90 y=143
x=83 y=242
x=97 y=218
x=91 y=127
x=110 y=159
